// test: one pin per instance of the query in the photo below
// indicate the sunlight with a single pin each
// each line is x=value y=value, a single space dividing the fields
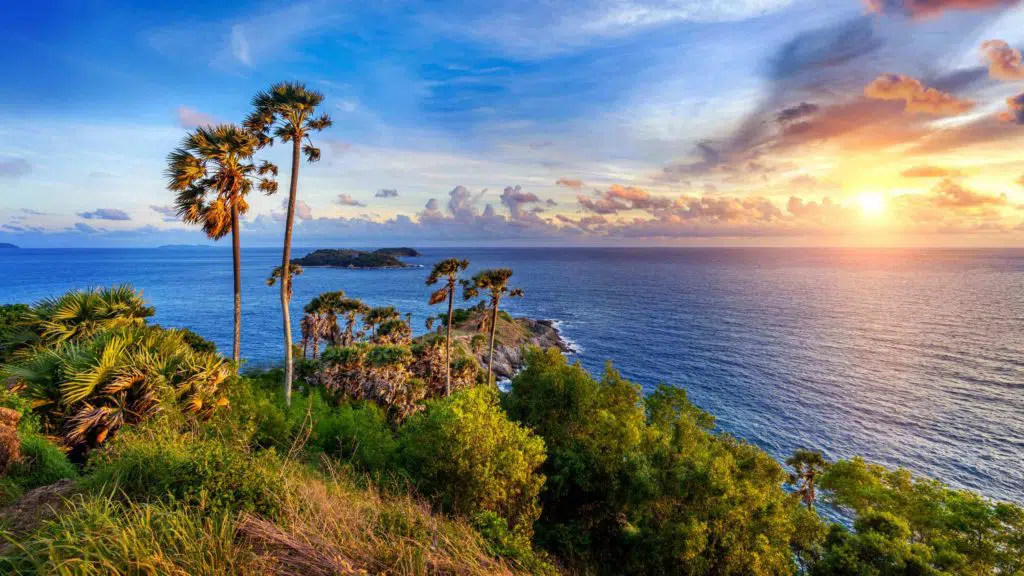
x=872 y=205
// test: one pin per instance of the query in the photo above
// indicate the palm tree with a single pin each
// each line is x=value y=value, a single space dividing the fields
x=293 y=271
x=288 y=112
x=212 y=172
x=331 y=305
x=351 y=307
x=449 y=270
x=807 y=466
x=494 y=281
x=378 y=315
x=429 y=323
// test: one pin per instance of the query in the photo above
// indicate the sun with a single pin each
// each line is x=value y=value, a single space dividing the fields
x=872 y=204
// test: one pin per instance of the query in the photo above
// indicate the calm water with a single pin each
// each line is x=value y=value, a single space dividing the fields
x=908 y=357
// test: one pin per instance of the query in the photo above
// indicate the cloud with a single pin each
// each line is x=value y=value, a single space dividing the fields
x=106 y=214
x=169 y=213
x=927 y=8
x=1016 y=112
x=569 y=183
x=798 y=112
x=949 y=194
x=515 y=199
x=386 y=193
x=302 y=210
x=916 y=96
x=347 y=200
x=927 y=171
x=14 y=167
x=619 y=198
x=240 y=45
x=1021 y=180
x=84 y=228
x=190 y=118
x=32 y=212
x=1004 y=61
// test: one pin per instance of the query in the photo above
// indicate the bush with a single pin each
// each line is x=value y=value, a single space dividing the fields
x=469 y=458
x=357 y=433
x=42 y=463
x=10 y=317
x=152 y=464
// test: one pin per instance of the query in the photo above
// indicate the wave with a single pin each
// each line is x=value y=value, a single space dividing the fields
x=573 y=346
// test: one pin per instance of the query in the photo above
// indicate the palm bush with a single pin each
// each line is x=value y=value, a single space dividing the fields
x=84 y=391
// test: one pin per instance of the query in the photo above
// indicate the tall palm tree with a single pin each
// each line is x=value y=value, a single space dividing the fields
x=350 y=308
x=287 y=111
x=377 y=316
x=429 y=323
x=807 y=466
x=212 y=172
x=494 y=281
x=331 y=305
x=293 y=271
x=449 y=270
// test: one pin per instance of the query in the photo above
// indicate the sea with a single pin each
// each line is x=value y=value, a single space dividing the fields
x=907 y=357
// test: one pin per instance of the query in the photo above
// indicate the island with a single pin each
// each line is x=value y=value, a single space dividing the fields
x=345 y=258
x=6 y=246
x=399 y=252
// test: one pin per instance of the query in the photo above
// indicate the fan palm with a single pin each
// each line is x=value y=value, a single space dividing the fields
x=287 y=111
x=807 y=466
x=377 y=316
x=293 y=271
x=448 y=270
x=350 y=308
x=495 y=282
x=213 y=172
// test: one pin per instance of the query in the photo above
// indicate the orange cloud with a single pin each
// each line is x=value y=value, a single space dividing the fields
x=916 y=96
x=1016 y=112
x=926 y=171
x=569 y=183
x=1004 y=61
x=925 y=8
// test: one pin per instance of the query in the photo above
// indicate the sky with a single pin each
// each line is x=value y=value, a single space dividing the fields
x=531 y=123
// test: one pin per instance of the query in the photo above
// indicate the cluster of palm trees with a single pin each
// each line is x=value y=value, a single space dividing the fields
x=214 y=170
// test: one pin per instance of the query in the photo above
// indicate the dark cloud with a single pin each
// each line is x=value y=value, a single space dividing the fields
x=569 y=183
x=798 y=112
x=515 y=199
x=106 y=214
x=928 y=8
x=1015 y=113
x=14 y=167
x=347 y=200
x=84 y=228
x=809 y=54
x=386 y=193
x=916 y=97
x=189 y=118
x=926 y=171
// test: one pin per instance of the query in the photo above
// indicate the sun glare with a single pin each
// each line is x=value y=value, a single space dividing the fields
x=872 y=205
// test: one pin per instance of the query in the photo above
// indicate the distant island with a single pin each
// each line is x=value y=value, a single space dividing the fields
x=345 y=258
x=6 y=246
x=399 y=252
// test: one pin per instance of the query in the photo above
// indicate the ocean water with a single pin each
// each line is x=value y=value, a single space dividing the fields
x=907 y=357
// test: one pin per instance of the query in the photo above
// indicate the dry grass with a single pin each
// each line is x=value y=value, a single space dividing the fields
x=331 y=526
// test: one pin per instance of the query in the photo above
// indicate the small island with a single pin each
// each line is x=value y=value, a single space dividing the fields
x=345 y=258
x=403 y=252
x=6 y=246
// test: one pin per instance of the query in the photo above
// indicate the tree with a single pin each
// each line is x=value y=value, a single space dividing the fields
x=377 y=316
x=287 y=111
x=429 y=323
x=350 y=308
x=212 y=172
x=449 y=271
x=495 y=282
x=808 y=466
x=293 y=271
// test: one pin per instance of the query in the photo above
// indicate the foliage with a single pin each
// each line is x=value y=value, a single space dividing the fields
x=349 y=259
x=154 y=463
x=642 y=486
x=10 y=317
x=948 y=530
x=197 y=342
x=808 y=466
x=469 y=458
x=42 y=463
x=87 y=390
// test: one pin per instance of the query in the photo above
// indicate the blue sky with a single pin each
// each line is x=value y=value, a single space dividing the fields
x=540 y=123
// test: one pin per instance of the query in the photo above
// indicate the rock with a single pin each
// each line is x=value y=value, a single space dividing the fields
x=35 y=507
x=10 y=443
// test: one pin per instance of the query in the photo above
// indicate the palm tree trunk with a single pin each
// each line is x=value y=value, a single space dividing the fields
x=285 y=264
x=448 y=343
x=236 y=256
x=490 y=354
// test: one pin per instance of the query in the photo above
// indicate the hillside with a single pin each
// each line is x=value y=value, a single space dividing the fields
x=6 y=246
x=345 y=258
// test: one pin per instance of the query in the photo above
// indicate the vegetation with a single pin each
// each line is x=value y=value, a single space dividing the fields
x=287 y=112
x=212 y=172
x=447 y=270
x=350 y=259
x=495 y=283
x=399 y=252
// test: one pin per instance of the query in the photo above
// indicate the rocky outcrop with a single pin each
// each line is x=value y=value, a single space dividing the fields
x=35 y=507
x=508 y=356
x=10 y=444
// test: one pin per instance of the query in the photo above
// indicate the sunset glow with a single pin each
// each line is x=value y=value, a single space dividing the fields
x=872 y=205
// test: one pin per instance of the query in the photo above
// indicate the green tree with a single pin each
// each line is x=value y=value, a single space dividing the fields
x=808 y=466
x=495 y=282
x=350 y=308
x=378 y=315
x=213 y=172
x=288 y=112
x=448 y=270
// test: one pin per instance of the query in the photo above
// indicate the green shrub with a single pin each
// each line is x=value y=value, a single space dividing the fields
x=197 y=342
x=357 y=433
x=42 y=463
x=153 y=465
x=466 y=455
x=10 y=317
